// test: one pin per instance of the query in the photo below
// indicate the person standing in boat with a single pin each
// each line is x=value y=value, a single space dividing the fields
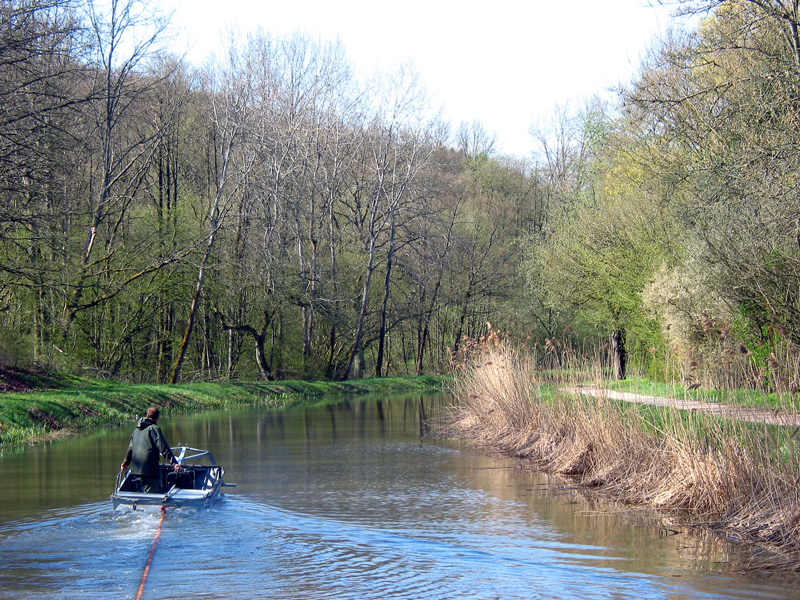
x=147 y=445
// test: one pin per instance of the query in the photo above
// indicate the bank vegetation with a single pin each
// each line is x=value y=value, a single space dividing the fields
x=275 y=215
x=71 y=405
x=737 y=478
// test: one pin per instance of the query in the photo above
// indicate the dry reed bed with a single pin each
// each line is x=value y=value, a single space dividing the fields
x=737 y=478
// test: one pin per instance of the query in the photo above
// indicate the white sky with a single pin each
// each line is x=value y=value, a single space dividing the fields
x=506 y=63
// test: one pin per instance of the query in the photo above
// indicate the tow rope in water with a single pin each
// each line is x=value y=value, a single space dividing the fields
x=152 y=552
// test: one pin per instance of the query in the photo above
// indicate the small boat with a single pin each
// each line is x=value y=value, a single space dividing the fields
x=196 y=485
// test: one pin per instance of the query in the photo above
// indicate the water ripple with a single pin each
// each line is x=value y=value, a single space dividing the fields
x=327 y=510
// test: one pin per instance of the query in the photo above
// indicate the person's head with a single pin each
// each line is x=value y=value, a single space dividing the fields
x=153 y=413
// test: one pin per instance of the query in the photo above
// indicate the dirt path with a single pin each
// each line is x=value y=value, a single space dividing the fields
x=741 y=413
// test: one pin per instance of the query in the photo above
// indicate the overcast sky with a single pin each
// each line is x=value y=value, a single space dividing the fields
x=506 y=63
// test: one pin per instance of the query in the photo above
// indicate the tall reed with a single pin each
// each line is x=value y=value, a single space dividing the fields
x=727 y=475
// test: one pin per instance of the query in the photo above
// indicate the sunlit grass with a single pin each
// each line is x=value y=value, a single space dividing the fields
x=736 y=397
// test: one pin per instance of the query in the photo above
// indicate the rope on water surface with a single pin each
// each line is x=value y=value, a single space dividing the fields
x=152 y=552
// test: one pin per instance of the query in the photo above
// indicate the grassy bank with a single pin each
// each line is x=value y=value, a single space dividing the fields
x=39 y=415
x=733 y=477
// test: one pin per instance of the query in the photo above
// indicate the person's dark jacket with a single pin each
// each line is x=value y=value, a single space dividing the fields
x=147 y=443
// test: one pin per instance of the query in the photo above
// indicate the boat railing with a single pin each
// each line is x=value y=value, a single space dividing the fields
x=194 y=454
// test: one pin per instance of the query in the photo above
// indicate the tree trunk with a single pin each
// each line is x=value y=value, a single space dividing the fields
x=331 y=351
x=229 y=370
x=463 y=318
x=261 y=357
x=385 y=307
x=619 y=353
x=198 y=290
x=362 y=315
x=260 y=340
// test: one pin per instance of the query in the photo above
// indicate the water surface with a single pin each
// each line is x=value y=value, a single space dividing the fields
x=354 y=500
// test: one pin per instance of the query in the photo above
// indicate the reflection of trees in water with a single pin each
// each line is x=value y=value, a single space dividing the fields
x=423 y=419
x=362 y=417
x=384 y=416
x=332 y=414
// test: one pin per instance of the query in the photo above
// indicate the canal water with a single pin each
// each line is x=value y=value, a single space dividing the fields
x=352 y=499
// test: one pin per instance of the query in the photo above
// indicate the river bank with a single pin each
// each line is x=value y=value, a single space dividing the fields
x=38 y=414
x=707 y=471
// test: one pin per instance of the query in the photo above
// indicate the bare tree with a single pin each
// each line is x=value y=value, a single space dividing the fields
x=473 y=140
x=231 y=95
x=126 y=34
x=397 y=149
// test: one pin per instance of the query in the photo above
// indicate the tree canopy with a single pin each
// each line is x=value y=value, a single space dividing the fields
x=272 y=215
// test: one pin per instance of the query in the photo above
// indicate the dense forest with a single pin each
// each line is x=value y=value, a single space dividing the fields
x=271 y=214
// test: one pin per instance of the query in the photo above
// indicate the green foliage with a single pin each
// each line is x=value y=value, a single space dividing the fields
x=690 y=216
x=15 y=349
x=673 y=209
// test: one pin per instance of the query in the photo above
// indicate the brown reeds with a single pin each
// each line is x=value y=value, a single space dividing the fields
x=736 y=477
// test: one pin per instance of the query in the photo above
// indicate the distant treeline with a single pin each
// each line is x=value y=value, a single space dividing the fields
x=273 y=215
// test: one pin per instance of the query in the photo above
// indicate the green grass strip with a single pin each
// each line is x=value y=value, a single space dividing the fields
x=30 y=417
